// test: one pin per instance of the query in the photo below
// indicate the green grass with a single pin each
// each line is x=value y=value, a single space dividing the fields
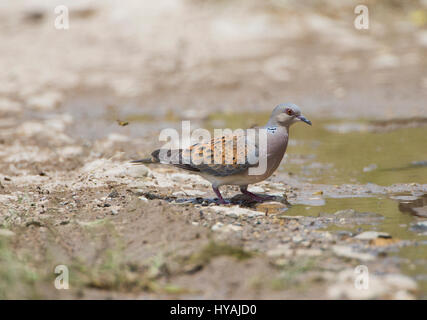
x=216 y=249
x=291 y=273
x=17 y=279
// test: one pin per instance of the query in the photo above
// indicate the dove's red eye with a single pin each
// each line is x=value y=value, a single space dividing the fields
x=289 y=111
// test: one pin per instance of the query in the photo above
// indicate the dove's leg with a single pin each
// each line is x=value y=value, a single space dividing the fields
x=218 y=194
x=244 y=190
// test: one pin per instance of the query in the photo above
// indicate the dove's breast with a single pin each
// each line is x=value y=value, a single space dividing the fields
x=277 y=141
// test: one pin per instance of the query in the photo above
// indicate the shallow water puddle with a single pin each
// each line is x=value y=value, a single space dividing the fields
x=416 y=206
x=382 y=158
x=413 y=258
x=395 y=223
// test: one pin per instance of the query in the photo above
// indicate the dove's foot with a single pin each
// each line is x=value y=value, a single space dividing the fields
x=255 y=197
x=222 y=201
x=220 y=198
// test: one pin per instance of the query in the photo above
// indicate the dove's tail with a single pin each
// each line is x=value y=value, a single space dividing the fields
x=153 y=159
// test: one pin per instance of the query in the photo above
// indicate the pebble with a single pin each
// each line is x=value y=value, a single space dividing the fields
x=348 y=252
x=420 y=227
x=371 y=167
x=139 y=171
x=271 y=207
x=225 y=228
x=404 y=198
x=193 y=193
x=236 y=211
x=297 y=239
x=113 y=194
x=143 y=198
x=256 y=189
x=217 y=226
x=370 y=235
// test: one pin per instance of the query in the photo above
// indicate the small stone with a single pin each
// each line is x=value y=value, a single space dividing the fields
x=256 y=189
x=271 y=207
x=191 y=193
x=420 y=227
x=139 y=171
x=236 y=211
x=348 y=252
x=370 y=235
x=113 y=194
x=381 y=242
x=114 y=212
x=225 y=228
x=297 y=239
x=143 y=198
x=217 y=226
x=370 y=168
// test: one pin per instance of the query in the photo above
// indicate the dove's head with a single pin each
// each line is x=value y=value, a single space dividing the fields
x=286 y=114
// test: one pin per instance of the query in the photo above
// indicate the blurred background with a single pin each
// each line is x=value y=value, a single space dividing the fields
x=224 y=55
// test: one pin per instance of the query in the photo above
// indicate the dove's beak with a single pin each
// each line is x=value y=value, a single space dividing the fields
x=304 y=119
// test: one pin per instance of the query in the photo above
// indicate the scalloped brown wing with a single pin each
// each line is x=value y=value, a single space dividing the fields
x=222 y=156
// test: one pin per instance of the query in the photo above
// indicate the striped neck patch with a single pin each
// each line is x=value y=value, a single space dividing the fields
x=271 y=129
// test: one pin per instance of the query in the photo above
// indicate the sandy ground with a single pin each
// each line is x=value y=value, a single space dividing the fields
x=69 y=197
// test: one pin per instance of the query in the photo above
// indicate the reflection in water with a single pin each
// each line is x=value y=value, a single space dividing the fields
x=363 y=216
x=416 y=207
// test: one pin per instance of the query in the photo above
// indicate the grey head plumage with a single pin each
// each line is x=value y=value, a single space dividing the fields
x=286 y=114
